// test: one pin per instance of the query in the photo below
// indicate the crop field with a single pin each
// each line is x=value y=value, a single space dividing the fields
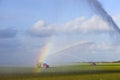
x=80 y=71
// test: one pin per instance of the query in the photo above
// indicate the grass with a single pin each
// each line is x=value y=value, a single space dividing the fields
x=103 y=71
x=103 y=76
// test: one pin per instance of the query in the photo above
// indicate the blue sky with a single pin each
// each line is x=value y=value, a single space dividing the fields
x=26 y=25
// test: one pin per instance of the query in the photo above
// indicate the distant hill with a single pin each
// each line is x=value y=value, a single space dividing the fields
x=116 y=62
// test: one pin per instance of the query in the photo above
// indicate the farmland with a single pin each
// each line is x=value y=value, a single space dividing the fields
x=80 y=71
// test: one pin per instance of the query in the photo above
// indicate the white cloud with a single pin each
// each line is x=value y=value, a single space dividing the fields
x=95 y=24
x=74 y=25
x=83 y=25
x=79 y=25
x=38 y=25
x=42 y=29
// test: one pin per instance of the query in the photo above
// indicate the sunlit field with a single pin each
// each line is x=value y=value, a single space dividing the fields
x=81 y=71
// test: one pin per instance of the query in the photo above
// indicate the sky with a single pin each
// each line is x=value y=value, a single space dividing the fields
x=75 y=32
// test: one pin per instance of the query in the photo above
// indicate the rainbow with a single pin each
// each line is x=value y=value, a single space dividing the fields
x=43 y=54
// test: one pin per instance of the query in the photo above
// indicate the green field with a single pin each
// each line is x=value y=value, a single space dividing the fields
x=81 y=71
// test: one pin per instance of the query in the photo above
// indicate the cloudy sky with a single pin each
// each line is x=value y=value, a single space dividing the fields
x=74 y=29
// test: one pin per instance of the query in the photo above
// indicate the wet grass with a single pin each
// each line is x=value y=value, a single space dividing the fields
x=102 y=71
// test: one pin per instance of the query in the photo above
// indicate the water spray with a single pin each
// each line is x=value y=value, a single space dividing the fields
x=62 y=51
x=97 y=7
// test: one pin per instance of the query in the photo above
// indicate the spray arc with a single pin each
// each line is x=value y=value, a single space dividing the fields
x=97 y=7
